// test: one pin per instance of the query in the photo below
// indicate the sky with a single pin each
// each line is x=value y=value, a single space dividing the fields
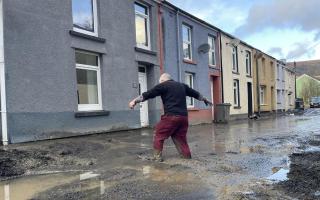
x=284 y=29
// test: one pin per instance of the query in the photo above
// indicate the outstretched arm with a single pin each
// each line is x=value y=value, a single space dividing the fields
x=195 y=94
x=152 y=93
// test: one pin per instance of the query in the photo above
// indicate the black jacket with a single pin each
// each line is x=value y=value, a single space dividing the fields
x=173 y=95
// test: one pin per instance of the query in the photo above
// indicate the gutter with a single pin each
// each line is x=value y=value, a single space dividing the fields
x=4 y=127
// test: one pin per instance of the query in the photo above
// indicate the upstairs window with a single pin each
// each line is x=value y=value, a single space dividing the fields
x=187 y=42
x=142 y=26
x=248 y=63
x=212 y=50
x=84 y=13
x=235 y=59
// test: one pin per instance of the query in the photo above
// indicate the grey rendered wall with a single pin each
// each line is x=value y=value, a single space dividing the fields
x=199 y=36
x=41 y=76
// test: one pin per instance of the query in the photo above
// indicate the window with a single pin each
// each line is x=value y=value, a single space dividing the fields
x=234 y=59
x=88 y=81
x=278 y=72
x=248 y=63
x=189 y=81
x=212 y=50
x=236 y=94
x=187 y=45
x=142 y=26
x=85 y=18
x=262 y=95
x=278 y=97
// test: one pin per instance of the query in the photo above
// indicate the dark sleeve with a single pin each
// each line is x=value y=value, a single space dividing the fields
x=191 y=92
x=154 y=92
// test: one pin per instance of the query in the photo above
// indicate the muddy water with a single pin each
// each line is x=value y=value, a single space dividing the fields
x=227 y=159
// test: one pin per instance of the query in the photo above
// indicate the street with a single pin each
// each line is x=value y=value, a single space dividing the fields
x=269 y=158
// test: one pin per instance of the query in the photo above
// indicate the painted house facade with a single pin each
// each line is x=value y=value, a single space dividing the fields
x=281 y=86
x=184 y=36
x=63 y=66
x=264 y=83
x=237 y=77
x=290 y=89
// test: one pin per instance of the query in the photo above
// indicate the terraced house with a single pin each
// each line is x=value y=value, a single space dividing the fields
x=70 y=67
x=187 y=58
x=264 y=83
x=237 y=65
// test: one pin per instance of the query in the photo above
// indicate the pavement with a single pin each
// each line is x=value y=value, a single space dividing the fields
x=270 y=158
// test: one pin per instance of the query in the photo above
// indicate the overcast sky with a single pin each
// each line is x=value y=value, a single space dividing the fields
x=287 y=29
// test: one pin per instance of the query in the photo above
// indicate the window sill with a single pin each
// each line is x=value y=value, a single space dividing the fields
x=237 y=107
x=263 y=104
x=249 y=76
x=141 y=50
x=189 y=62
x=81 y=114
x=90 y=37
x=237 y=73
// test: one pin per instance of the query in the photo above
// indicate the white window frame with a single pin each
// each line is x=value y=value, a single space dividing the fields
x=191 y=85
x=248 y=63
x=91 y=107
x=95 y=21
x=234 y=59
x=188 y=41
x=236 y=92
x=212 y=50
x=147 y=17
x=262 y=94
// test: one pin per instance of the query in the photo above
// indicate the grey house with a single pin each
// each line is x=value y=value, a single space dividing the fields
x=69 y=67
x=184 y=37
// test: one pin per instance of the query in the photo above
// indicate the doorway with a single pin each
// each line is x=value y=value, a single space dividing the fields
x=215 y=93
x=250 y=111
x=144 y=116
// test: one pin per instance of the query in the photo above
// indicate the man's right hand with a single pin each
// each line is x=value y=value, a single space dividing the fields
x=132 y=104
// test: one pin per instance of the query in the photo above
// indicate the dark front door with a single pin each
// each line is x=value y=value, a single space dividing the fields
x=249 y=99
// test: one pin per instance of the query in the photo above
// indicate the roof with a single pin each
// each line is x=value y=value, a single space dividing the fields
x=165 y=2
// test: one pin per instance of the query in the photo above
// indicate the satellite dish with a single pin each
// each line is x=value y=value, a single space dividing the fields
x=204 y=48
x=234 y=42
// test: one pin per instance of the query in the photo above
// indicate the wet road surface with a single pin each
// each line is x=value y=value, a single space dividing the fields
x=240 y=160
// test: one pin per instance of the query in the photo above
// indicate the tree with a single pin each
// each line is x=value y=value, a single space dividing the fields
x=310 y=88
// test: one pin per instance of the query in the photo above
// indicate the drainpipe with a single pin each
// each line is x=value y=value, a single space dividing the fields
x=3 y=82
x=178 y=46
x=160 y=38
x=221 y=69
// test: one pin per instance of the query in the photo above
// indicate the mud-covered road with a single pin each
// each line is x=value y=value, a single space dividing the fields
x=275 y=158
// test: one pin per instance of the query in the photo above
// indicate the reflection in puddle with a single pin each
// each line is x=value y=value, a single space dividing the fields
x=28 y=187
x=281 y=175
x=88 y=175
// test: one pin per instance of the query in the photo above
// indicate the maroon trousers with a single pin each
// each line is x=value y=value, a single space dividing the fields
x=177 y=128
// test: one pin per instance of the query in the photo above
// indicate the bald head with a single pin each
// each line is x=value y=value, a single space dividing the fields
x=165 y=77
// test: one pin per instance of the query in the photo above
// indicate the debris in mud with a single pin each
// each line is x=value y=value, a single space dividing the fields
x=304 y=175
x=16 y=162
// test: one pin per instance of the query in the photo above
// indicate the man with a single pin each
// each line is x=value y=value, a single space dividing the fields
x=174 y=122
